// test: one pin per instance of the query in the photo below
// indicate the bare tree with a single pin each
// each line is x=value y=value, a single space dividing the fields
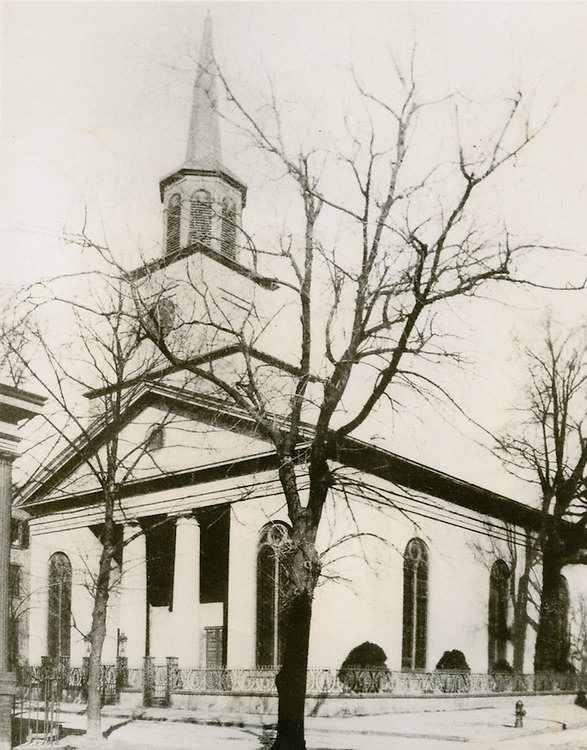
x=549 y=447
x=372 y=302
x=92 y=345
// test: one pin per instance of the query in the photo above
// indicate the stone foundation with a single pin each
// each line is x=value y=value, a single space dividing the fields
x=340 y=706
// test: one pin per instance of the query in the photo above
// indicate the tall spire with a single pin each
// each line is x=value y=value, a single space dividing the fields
x=204 y=150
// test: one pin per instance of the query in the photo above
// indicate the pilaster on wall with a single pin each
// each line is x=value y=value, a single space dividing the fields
x=39 y=570
x=133 y=593
x=242 y=586
x=186 y=592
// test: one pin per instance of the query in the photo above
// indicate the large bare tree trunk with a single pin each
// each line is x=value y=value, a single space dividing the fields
x=548 y=654
x=291 y=680
x=303 y=570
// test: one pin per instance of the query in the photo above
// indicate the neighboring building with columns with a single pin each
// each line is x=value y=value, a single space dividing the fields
x=16 y=407
x=201 y=520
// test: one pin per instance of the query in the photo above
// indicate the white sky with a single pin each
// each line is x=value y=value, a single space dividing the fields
x=95 y=106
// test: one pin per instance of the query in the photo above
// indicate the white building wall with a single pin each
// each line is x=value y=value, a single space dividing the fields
x=361 y=596
x=83 y=551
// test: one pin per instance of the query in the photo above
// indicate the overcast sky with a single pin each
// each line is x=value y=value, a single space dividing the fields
x=96 y=99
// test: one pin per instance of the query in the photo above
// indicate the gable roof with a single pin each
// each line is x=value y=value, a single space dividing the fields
x=205 y=408
x=351 y=453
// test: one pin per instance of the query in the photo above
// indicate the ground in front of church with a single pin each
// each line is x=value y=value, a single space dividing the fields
x=557 y=723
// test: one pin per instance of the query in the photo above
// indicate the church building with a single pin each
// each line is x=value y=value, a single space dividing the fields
x=414 y=560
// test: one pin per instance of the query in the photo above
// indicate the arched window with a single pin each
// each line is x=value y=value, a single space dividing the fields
x=228 y=243
x=415 y=613
x=201 y=217
x=59 y=609
x=271 y=579
x=497 y=621
x=173 y=223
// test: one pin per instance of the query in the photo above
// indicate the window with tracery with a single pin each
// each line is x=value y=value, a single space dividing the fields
x=415 y=606
x=201 y=217
x=173 y=223
x=271 y=580
x=59 y=607
x=497 y=624
x=228 y=238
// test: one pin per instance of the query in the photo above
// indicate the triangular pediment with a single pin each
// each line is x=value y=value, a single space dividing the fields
x=165 y=433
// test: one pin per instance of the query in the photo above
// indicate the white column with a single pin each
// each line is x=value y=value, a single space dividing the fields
x=133 y=593
x=186 y=592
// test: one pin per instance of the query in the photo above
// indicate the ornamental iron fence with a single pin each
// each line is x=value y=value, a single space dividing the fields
x=42 y=688
x=162 y=682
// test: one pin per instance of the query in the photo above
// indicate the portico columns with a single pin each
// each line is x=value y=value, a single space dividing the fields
x=186 y=591
x=133 y=593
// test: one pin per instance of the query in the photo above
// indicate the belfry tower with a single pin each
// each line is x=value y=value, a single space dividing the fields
x=204 y=292
x=203 y=200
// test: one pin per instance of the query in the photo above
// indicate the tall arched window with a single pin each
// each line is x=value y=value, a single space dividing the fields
x=201 y=217
x=173 y=223
x=228 y=243
x=497 y=621
x=59 y=609
x=415 y=613
x=271 y=579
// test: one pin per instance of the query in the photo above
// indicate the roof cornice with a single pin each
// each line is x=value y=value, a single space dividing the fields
x=221 y=172
x=198 y=247
x=352 y=453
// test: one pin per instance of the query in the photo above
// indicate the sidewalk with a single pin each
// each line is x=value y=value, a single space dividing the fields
x=558 y=723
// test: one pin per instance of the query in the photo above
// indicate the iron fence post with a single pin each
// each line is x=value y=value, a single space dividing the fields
x=172 y=667
x=121 y=673
x=148 y=669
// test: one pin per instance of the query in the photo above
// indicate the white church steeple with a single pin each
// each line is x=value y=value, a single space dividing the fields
x=204 y=150
x=203 y=200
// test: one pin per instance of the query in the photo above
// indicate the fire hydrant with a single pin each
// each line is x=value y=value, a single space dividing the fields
x=520 y=713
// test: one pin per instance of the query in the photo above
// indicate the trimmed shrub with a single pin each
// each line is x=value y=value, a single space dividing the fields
x=454 y=661
x=364 y=668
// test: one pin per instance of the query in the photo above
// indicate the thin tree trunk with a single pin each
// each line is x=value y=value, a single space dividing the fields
x=547 y=655
x=99 y=613
x=291 y=680
x=97 y=637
